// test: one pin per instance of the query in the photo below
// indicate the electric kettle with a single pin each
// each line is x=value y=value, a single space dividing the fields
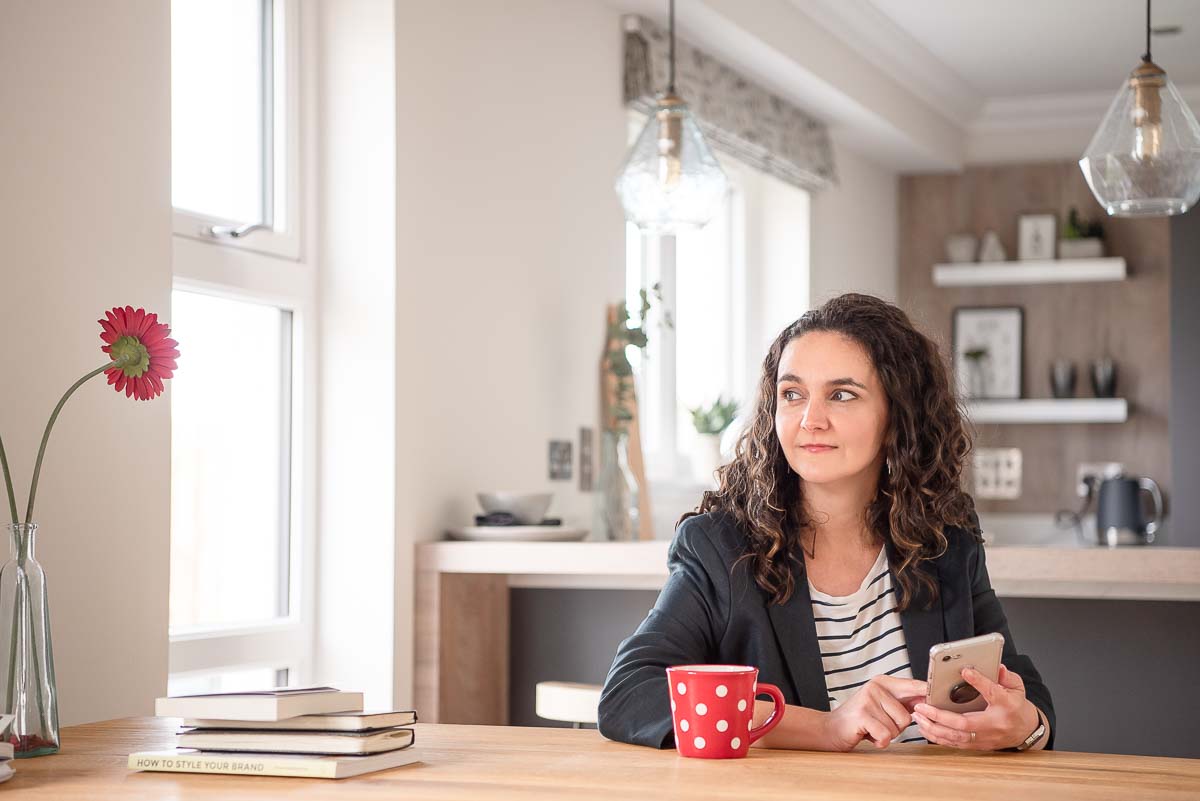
x=1119 y=516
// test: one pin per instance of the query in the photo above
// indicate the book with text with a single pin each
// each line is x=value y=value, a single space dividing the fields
x=262 y=705
x=252 y=764
x=331 y=721
x=298 y=742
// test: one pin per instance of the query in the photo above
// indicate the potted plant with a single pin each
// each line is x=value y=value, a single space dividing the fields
x=1081 y=238
x=710 y=422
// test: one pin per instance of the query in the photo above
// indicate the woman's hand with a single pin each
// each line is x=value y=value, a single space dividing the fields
x=878 y=711
x=1007 y=721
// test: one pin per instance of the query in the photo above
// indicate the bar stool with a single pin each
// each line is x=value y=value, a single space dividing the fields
x=567 y=701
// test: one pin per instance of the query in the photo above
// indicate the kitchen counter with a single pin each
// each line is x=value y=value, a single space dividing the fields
x=1019 y=571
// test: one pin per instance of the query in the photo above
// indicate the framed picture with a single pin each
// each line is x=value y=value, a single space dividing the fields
x=988 y=343
x=1035 y=237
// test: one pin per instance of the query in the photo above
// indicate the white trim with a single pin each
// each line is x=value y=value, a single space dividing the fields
x=271 y=268
x=877 y=38
x=287 y=180
x=1055 y=111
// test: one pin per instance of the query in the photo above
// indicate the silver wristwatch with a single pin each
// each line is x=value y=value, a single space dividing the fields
x=1038 y=733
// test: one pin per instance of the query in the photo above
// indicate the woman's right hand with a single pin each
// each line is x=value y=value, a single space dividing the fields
x=878 y=711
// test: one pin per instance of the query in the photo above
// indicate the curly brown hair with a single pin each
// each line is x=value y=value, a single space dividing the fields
x=925 y=446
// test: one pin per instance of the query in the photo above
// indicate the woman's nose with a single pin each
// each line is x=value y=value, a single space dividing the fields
x=814 y=417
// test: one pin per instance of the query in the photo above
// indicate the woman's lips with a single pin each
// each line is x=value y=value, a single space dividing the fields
x=818 y=448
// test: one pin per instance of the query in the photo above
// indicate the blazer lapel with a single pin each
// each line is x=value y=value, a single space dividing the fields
x=797 y=635
x=923 y=628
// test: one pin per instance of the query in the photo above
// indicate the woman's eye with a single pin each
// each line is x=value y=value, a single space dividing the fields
x=790 y=394
x=849 y=395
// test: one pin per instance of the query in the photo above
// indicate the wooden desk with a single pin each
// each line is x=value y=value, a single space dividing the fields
x=482 y=763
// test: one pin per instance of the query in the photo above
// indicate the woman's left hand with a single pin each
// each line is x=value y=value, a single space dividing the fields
x=1007 y=721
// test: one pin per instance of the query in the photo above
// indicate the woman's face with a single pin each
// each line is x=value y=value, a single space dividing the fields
x=828 y=394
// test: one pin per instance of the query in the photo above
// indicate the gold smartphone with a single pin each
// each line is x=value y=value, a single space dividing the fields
x=947 y=688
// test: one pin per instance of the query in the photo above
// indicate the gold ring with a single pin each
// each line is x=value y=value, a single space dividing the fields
x=972 y=736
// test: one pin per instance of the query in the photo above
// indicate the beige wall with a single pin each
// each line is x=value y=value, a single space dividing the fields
x=854 y=234
x=510 y=129
x=85 y=221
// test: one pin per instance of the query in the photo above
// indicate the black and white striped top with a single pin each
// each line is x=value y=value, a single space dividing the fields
x=860 y=637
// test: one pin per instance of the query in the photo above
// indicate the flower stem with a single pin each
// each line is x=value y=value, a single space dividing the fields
x=37 y=468
x=8 y=485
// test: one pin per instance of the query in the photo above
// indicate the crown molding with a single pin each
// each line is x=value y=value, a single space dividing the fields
x=1055 y=111
x=864 y=28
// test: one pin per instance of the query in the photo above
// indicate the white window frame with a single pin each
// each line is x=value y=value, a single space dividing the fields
x=267 y=267
x=282 y=165
x=749 y=286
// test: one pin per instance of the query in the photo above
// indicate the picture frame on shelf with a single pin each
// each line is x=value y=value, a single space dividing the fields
x=1036 y=237
x=988 y=344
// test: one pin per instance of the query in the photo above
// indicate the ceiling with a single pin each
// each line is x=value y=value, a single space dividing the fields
x=1034 y=47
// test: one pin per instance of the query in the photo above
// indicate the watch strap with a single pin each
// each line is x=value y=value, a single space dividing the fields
x=1037 y=734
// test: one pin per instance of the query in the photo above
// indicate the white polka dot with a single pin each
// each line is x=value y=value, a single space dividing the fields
x=722 y=691
x=735 y=743
x=698 y=742
x=683 y=725
x=701 y=710
x=681 y=688
x=673 y=707
x=742 y=705
x=722 y=725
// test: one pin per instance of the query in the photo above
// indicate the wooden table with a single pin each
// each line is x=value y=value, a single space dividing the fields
x=491 y=762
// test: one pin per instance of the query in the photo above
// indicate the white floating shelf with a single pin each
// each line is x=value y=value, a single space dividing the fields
x=1049 y=410
x=1058 y=271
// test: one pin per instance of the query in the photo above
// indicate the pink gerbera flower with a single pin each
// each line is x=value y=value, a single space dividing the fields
x=142 y=350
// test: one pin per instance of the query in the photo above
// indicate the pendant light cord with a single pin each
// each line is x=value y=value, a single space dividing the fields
x=1144 y=58
x=671 y=27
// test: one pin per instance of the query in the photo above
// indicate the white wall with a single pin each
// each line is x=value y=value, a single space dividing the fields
x=510 y=130
x=356 y=589
x=854 y=230
x=85 y=221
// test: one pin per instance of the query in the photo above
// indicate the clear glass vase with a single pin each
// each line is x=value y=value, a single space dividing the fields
x=618 y=489
x=29 y=690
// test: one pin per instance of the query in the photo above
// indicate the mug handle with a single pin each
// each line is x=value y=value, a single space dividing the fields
x=1149 y=486
x=776 y=714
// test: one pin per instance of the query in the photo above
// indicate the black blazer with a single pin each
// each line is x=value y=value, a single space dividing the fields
x=713 y=612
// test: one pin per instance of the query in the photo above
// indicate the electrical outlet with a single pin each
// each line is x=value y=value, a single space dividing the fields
x=1101 y=470
x=997 y=473
x=560 y=460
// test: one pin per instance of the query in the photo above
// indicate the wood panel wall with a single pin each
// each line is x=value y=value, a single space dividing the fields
x=1127 y=321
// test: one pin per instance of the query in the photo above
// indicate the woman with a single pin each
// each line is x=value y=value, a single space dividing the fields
x=838 y=545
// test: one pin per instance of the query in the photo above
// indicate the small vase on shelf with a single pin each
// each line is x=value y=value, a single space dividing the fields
x=30 y=694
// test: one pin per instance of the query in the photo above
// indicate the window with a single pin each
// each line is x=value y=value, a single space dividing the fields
x=230 y=464
x=243 y=401
x=730 y=288
x=234 y=161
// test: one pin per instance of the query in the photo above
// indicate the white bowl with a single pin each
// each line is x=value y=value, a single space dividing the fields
x=529 y=508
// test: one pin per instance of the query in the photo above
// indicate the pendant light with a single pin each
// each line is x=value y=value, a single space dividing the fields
x=1144 y=161
x=671 y=181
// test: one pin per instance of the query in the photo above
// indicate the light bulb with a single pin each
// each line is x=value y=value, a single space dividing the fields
x=670 y=136
x=1147 y=81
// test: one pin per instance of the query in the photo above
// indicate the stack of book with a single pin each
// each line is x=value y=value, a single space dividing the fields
x=319 y=732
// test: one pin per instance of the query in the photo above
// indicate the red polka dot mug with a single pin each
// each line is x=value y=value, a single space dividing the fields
x=712 y=707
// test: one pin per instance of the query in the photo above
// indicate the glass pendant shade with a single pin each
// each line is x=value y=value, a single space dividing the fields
x=1144 y=161
x=671 y=181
